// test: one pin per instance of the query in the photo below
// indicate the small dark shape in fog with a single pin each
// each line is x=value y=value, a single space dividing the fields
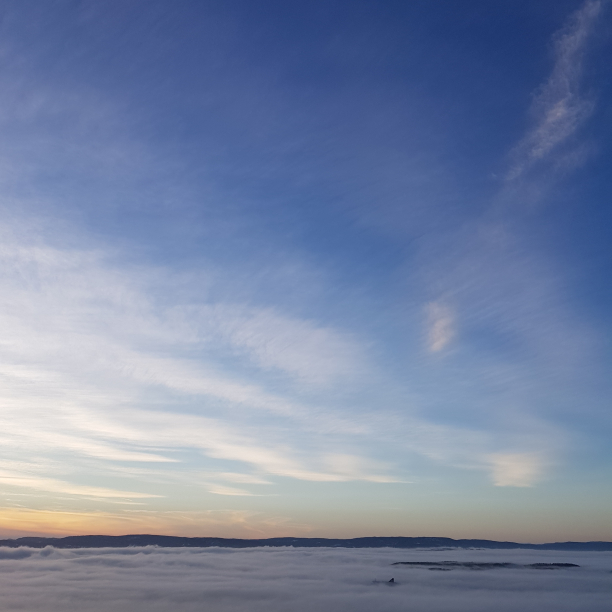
x=386 y=582
x=448 y=565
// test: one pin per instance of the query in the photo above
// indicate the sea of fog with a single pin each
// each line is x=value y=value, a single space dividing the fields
x=299 y=580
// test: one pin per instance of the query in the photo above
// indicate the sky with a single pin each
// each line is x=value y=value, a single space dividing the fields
x=321 y=268
x=326 y=579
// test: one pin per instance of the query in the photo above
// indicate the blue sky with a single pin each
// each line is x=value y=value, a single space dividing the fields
x=327 y=268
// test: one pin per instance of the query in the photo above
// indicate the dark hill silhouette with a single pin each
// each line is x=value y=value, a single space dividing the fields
x=105 y=541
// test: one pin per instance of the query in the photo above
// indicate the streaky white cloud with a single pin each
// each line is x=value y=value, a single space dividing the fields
x=353 y=467
x=220 y=440
x=57 y=486
x=236 y=477
x=85 y=342
x=559 y=107
x=225 y=490
x=88 y=344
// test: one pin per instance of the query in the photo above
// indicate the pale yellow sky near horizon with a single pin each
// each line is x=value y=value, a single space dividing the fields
x=21 y=522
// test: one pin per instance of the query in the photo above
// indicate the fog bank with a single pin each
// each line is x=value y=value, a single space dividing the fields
x=298 y=580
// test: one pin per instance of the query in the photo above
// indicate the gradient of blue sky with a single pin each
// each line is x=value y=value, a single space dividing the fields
x=328 y=268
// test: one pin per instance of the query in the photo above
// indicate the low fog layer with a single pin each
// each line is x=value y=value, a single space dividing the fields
x=298 y=580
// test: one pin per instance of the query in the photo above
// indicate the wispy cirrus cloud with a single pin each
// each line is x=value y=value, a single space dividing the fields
x=98 y=366
x=441 y=328
x=509 y=297
x=560 y=107
x=311 y=353
x=87 y=343
x=20 y=479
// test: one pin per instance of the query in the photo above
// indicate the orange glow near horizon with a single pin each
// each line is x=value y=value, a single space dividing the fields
x=18 y=522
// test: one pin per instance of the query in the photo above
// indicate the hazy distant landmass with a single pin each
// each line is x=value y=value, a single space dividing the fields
x=475 y=565
x=103 y=541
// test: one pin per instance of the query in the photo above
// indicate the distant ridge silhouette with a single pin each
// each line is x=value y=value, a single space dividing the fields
x=105 y=541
